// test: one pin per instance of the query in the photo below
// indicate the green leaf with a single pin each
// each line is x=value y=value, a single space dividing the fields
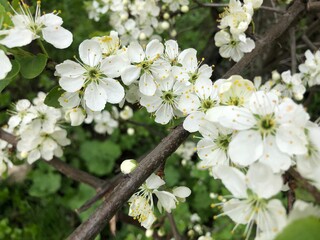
x=306 y=228
x=14 y=71
x=99 y=156
x=53 y=96
x=4 y=17
x=44 y=183
x=32 y=66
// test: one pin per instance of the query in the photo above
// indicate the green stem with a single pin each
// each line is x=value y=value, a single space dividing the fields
x=42 y=47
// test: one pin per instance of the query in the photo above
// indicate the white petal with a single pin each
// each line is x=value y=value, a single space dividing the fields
x=233 y=180
x=135 y=52
x=5 y=65
x=70 y=69
x=164 y=114
x=113 y=66
x=188 y=103
x=154 y=49
x=17 y=37
x=147 y=85
x=273 y=157
x=262 y=103
x=167 y=200
x=291 y=139
x=130 y=74
x=114 y=90
x=90 y=52
x=71 y=84
x=246 y=147
x=95 y=97
x=58 y=36
x=51 y=20
x=172 y=49
x=181 y=192
x=263 y=181
x=193 y=121
x=233 y=117
x=154 y=181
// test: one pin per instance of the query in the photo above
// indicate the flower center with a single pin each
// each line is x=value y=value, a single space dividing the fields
x=223 y=141
x=193 y=77
x=207 y=104
x=168 y=97
x=235 y=101
x=267 y=124
x=93 y=74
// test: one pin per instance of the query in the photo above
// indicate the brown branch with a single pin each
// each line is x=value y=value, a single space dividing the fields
x=313 y=6
x=309 y=43
x=293 y=48
x=128 y=185
x=64 y=168
x=131 y=182
x=225 y=5
x=269 y=37
x=173 y=226
x=305 y=184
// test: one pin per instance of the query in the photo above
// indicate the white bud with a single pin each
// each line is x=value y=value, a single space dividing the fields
x=275 y=75
x=161 y=232
x=184 y=9
x=166 y=16
x=127 y=166
x=75 y=116
x=149 y=233
x=126 y=113
x=124 y=2
x=298 y=96
x=130 y=131
x=165 y=25
x=142 y=36
x=123 y=16
x=24 y=154
x=173 y=33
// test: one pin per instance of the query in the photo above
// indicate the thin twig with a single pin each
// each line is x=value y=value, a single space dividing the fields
x=225 y=5
x=293 y=49
x=174 y=228
x=309 y=43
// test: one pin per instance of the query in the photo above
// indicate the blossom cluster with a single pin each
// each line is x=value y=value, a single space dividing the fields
x=138 y=19
x=235 y=20
x=142 y=202
x=27 y=28
x=38 y=128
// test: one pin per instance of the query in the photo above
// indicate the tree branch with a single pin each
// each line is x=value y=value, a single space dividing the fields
x=305 y=184
x=173 y=226
x=64 y=168
x=131 y=182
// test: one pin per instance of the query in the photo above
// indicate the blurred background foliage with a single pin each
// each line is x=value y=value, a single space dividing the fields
x=41 y=204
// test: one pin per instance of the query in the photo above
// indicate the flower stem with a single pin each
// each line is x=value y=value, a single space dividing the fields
x=42 y=47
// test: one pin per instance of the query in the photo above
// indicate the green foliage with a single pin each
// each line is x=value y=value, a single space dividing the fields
x=53 y=96
x=32 y=65
x=305 y=228
x=99 y=157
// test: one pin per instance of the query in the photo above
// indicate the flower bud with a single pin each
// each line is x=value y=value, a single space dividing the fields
x=275 y=75
x=127 y=166
x=184 y=9
x=75 y=116
x=126 y=113
x=173 y=33
x=165 y=25
x=142 y=36
x=149 y=233
x=166 y=16
x=130 y=131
